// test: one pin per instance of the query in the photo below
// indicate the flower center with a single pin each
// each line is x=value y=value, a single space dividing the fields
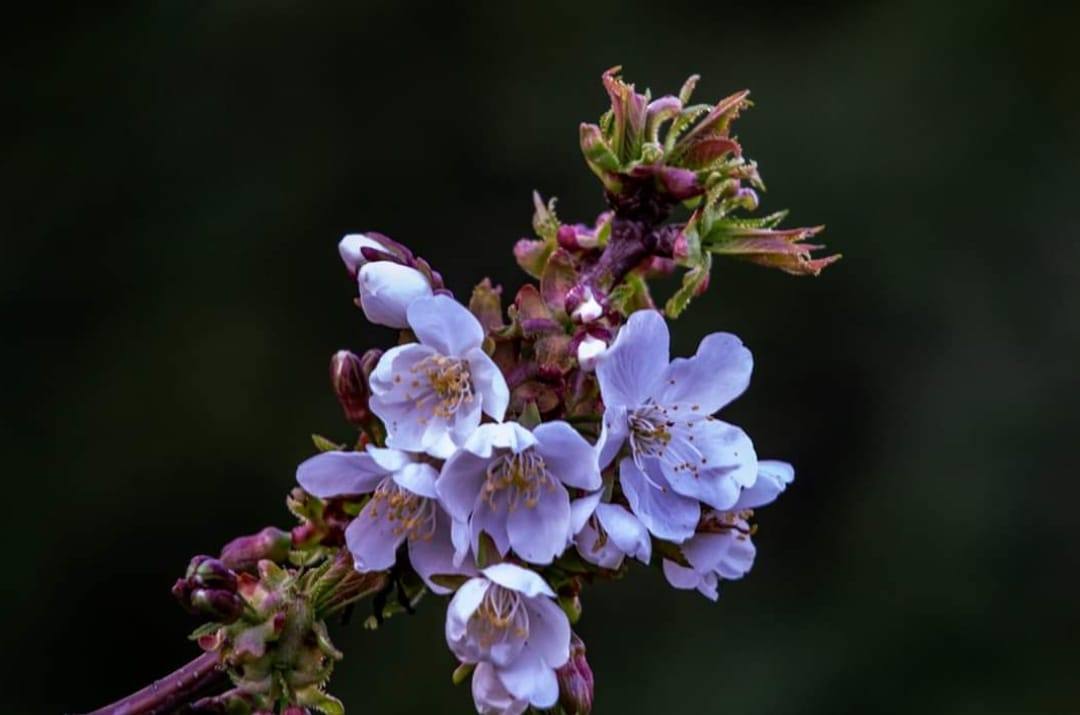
x=650 y=431
x=450 y=383
x=717 y=522
x=501 y=614
x=410 y=514
x=522 y=476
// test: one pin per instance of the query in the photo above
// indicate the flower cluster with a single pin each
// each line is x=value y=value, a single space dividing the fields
x=500 y=498
x=508 y=456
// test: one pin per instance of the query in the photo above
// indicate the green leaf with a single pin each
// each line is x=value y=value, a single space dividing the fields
x=487 y=553
x=325 y=445
x=545 y=222
x=532 y=256
x=631 y=295
x=686 y=117
x=451 y=581
x=571 y=606
x=530 y=416
x=670 y=551
x=313 y=697
x=693 y=282
x=462 y=673
x=688 y=88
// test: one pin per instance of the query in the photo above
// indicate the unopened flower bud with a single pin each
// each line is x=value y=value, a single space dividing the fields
x=589 y=351
x=387 y=289
x=349 y=379
x=588 y=309
x=351 y=251
x=211 y=573
x=747 y=198
x=221 y=605
x=576 y=680
x=244 y=553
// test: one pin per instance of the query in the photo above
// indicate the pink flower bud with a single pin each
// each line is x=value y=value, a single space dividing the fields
x=244 y=553
x=206 y=572
x=576 y=680
x=349 y=379
x=224 y=606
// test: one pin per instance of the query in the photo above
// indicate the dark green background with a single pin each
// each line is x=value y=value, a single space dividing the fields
x=176 y=178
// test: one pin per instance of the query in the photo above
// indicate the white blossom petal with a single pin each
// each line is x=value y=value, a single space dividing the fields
x=680 y=576
x=613 y=433
x=716 y=375
x=490 y=696
x=529 y=678
x=664 y=513
x=625 y=531
x=772 y=479
x=567 y=455
x=632 y=366
x=549 y=631
x=387 y=289
x=462 y=606
x=459 y=537
x=438 y=438
x=373 y=538
x=459 y=482
x=598 y=550
x=490 y=520
x=527 y=583
x=446 y=325
x=336 y=473
x=506 y=435
x=581 y=509
x=349 y=248
x=488 y=383
x=391 y=460
x=738 y=560
x=538 y=532
x=708 y=460
x=397 y=361
x=418 y=478
x=435 y=556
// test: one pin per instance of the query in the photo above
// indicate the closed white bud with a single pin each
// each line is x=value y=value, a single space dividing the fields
x=350 y=249
x=589 y=351
x=387 y=289
x=588 y=310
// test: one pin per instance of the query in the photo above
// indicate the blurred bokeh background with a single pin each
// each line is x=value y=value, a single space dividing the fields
x=176 y=177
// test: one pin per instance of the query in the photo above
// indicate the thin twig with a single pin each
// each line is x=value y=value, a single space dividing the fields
x=171 y=692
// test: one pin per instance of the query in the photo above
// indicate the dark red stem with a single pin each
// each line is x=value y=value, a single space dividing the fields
x=172 y=692
x=632 y=241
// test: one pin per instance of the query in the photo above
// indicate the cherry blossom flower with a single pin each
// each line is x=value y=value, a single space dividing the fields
x=506 y=619
x=402 y=507
x=722 y=548
x=609 y=534
x=510 y=484
x=430 y=394
x=679 y=454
